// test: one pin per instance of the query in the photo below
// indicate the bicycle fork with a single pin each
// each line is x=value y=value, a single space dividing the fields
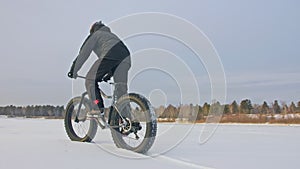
x=79 y=107
x=95 y=117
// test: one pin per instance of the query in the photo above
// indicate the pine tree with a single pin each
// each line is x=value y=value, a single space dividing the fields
x=234 y=107
x=265 y=108
x=206 y=108
x=285 y=108
x=216 y=108
x=292 y=108
x=194 y=112
x=246 y=106
x=276 y=107
x=170 y=112
x=159 y=111
x=200 y=113
x=298 y=107
x=227 y=109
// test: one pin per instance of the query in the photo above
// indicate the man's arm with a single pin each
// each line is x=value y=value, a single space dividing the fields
x=84 y=53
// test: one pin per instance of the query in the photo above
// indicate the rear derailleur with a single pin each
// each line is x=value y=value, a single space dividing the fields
x=130 y=127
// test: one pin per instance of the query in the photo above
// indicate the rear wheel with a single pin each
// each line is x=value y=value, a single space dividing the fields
x=133 y=123
x=79 y=128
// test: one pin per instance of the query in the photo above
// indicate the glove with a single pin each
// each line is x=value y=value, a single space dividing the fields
x=72 y=75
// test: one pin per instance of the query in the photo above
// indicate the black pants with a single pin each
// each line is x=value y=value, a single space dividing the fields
x=100 y=68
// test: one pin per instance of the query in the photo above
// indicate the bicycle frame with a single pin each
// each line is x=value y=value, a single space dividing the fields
x=111 y=108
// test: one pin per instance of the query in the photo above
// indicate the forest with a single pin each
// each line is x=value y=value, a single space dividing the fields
x=33 y=111
x=242 y=112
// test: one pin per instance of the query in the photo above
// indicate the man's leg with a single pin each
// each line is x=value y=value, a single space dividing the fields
x=94 y=76
x=121 y=79
x=92 y=87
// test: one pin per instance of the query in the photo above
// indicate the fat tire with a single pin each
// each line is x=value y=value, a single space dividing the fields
x=151 y=124
x=68 y=123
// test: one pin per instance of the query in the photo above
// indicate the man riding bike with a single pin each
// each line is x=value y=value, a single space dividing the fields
x=113 y=61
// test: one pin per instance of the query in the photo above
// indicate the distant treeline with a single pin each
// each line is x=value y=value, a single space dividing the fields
x=234 y=112
x=244 y=111
x=33 y=111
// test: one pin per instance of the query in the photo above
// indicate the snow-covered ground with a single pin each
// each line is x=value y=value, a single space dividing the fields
x=39 y=143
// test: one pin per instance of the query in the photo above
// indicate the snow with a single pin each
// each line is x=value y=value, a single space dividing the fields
x=41 y=143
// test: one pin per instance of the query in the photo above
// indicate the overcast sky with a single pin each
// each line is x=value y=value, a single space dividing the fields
x=257 y=41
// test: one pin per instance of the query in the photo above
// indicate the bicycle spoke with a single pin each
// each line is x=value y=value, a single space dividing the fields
x=81 y=127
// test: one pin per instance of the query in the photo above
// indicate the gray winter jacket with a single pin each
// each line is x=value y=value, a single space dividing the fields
x=100 y=42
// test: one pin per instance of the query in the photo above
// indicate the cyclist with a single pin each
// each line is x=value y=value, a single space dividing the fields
x=113 y=61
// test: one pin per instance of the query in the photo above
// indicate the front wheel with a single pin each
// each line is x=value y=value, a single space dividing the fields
x=133 y=123
x=78 y=126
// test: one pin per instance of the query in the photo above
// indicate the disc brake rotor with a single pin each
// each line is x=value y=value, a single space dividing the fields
x=126 y=126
